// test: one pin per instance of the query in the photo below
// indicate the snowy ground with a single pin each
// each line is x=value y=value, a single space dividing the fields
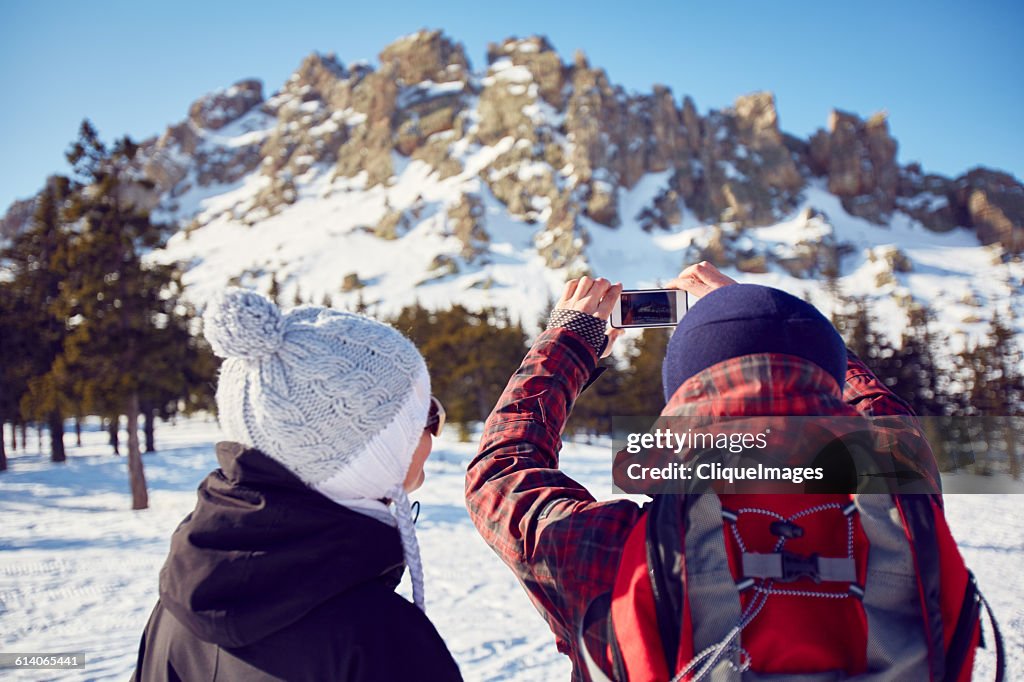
x=78 y=571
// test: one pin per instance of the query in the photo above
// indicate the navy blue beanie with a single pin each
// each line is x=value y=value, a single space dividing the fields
x=743 y=319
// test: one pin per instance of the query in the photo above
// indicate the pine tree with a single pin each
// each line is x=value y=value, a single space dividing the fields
x=859 y=329
x=470 y=356
x=542 y=319
x=1010 y=363
x=991 y=376
x=180 y=367
x=35 y=260
x=642 y=387
x=913 y=372
x=115 y=304
x=8 y=401
x=914 y=375
x=113 y=433
x=9 y=396
x=854 y=323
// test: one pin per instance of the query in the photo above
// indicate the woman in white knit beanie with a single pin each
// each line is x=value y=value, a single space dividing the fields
x=292 y=553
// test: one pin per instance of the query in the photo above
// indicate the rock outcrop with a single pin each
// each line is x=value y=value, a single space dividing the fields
x=994 y=203
x=859 y=158
x=189 y=153
x=928 y=199
x=218 y=109
x=562 y=241
x=393 y=225
x=749 y=175
x=817 y=254
x=538 y=57
x=426 y=56
x=467 y=222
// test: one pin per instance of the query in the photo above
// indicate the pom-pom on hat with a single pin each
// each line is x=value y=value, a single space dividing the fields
x=744 y=319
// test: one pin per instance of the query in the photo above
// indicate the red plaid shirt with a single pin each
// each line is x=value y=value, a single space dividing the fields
x=561 y=543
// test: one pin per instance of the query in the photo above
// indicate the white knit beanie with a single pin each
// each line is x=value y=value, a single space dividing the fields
x=339 y=399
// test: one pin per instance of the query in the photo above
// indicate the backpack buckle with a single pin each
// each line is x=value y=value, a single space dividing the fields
x=786 y=529
x=795 y=567
x=787 y=567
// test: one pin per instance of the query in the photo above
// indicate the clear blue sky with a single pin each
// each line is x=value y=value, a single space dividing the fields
x=950 y=74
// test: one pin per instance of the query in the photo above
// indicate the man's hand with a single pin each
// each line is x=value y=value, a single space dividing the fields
x=595 y=297
x=700 y=279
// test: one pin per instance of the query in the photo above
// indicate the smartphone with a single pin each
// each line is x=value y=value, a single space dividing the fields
x=649 y=308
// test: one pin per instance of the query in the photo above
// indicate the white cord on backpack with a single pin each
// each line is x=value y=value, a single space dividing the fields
x=716 y=651
x=709 y=657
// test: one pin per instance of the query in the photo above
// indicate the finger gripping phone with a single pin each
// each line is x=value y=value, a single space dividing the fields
x=637 y=308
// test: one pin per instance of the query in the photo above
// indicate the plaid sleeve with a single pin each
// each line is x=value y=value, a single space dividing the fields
x=867 y=394
x=901 y=435
x=562 y=545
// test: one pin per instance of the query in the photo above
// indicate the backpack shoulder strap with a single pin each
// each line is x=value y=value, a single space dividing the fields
x=997 y=636
x=919 y=512
x=966 y=630
x=892 y=597
x=665 y=558
x=919 y=520
x=600 y=647
x=696 y=598
x=932 y=563
x=967 y=633
x=673 y=591
x=712 y=597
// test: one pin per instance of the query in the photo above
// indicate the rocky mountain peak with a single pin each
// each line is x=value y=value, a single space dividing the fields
x=994 y=202
x=317 y=76
x=538 y=57
x=426 y=56
x=219 y=108
x=757 y=118
x=859 y=158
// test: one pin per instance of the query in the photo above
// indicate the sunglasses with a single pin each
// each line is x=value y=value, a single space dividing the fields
x=435 y=417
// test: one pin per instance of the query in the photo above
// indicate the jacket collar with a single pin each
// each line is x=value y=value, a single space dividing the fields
x=244 y=465
x=764 y=384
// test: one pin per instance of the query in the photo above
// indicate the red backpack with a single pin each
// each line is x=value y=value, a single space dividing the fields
x=806 y=587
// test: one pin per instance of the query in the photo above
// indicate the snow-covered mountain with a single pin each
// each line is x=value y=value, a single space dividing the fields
x=423 y=179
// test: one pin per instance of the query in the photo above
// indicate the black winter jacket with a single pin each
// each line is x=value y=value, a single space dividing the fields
x=268 y=580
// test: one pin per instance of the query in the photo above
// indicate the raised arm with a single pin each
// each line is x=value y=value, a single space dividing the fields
x=562 y=545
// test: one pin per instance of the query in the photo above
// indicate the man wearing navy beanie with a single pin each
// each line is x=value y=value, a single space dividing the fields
x=742 y=351
x=744 y=319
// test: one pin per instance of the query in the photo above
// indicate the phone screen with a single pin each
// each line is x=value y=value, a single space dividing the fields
x=648 y=308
